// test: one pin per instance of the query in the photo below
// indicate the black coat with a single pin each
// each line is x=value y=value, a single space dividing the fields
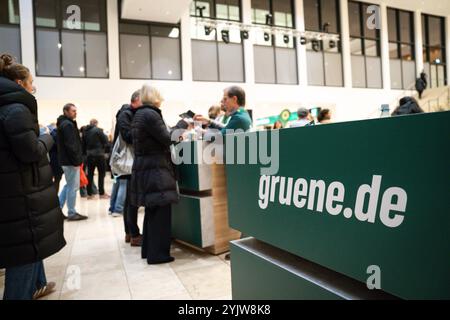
x=124 y=121
x=54 y=160
x=153 y=182
x=70 y=151
x=94 y=141
x=31 y=221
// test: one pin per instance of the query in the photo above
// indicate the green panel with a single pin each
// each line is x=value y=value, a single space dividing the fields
x=186 y=221
x=254 y=278
x=188 y=177
x=410 y=152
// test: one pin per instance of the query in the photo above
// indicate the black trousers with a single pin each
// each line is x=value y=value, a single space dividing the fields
x=56 y=181
x=99 y=163
x=130 y=215
x=157 y=234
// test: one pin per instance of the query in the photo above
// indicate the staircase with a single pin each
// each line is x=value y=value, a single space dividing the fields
x=436 y=99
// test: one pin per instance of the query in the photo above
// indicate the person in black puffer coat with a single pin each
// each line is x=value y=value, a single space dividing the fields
x=153 y=181
x=31 y=221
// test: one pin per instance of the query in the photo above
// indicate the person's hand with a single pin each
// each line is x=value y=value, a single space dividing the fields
x=201 y=119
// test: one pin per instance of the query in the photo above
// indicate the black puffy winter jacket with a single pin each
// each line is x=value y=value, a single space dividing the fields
x=153 y=182
x=94 y=141
x=70 y=150
x=31 y=221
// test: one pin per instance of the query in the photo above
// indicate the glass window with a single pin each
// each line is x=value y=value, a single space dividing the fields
x=73 y=54
x=204 y=61
x=333 y=70
x=371 y=48
x=10 y=43
x=359 y=72
x=315 y=68
x=434 y=47
x=96 y=55
x=166 y=62
x=48 y=54
x=9 y=12
x=365 y=42
x=231 y=62
x=135 y=56
x=393 y=51
x=264 y=58
x=286 y=66
x=330 y=14
x=283 y=11
x=204 y=8
x=217 y=9
x=392 y=25
x=435 y=31
x=150 y=51
x=83 y=47
x=10 y=28
x=311 y=10
x=368 y=32
x=260 y=9
x=354 y=19
x=356 y=46
x=92 y=14
x=406 y=27
x=228 y=10
x=407 y=52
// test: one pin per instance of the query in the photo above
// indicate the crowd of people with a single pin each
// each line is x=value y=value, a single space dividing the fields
x=34 y=159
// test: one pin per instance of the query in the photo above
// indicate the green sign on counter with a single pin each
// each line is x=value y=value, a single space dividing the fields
x=356 y=197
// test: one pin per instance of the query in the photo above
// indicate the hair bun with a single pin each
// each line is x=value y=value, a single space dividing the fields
x=6 y=60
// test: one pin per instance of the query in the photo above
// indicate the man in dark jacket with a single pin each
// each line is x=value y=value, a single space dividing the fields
x=123 y=127
x=31 y=222
x=70 y=156
x=94 y=144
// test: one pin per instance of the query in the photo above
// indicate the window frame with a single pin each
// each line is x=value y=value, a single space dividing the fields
x=19 y=26
x=321 y=44
x=217 y=40
x=59 y=28
x=214 y=12
x=363 y=38
x=149 y=25
x=399 y=42
x=427 y=46
x=271 y=11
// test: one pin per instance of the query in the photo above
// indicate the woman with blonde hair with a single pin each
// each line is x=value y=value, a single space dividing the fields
x=153 y=181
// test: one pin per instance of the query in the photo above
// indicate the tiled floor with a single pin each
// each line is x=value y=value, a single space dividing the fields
x=98 y=264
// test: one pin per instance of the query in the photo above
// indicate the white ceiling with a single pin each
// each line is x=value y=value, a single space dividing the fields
x=168 y=11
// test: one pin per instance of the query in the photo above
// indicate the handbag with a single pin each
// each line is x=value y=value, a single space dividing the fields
x=122 y=158
x=83 y=179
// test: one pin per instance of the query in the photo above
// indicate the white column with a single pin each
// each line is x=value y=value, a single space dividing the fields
x=301 y=49
x=113 y=39
x=186 y=48
x=385 y=63
x=27 y=35
x=345 y=41
x=447 y=43
x=249 y=59
x=418 y=42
